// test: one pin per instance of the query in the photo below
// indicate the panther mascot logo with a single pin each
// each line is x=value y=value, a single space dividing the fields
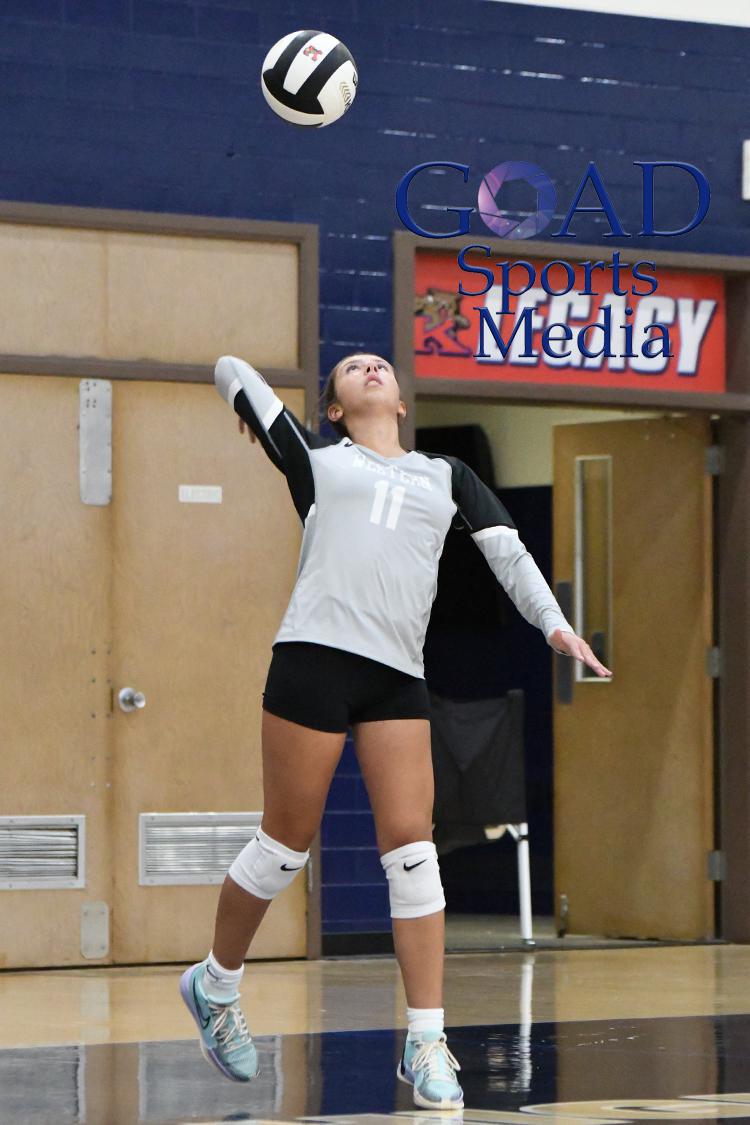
x=441 y=321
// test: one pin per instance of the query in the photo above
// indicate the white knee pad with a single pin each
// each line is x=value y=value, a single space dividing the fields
x=264 y=867
x=414 y=885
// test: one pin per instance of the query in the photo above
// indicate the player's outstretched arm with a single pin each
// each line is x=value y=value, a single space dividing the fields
x=571 y=645
x=520 y=576
x=247 y=392
x=496 y=536
x=286 y=441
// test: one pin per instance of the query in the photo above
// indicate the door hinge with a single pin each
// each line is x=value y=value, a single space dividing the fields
x=310 y=877
x=713 y=662
x=717 y=867
x=714 y=460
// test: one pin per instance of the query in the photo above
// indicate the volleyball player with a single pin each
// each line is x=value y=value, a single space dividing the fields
x=348 y=653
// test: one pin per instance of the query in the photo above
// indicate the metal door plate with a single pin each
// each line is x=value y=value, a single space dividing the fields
x=94 y=930
x=95 y=441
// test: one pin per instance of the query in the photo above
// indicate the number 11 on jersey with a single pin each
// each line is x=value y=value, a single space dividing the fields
x=382 y=488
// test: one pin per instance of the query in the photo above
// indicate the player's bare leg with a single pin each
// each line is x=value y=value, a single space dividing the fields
x=396 y=763
x=298 y=765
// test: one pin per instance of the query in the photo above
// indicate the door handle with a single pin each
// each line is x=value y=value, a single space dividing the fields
x=131 y=700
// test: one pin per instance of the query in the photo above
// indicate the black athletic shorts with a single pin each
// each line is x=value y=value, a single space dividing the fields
x=328 y=688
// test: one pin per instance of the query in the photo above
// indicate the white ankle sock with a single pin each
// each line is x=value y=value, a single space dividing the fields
x=424 y=1019
x=219 y=983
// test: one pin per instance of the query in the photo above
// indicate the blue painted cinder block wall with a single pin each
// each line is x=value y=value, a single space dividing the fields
x=155 y=105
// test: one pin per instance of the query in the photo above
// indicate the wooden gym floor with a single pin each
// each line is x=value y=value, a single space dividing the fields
x=116 y=1046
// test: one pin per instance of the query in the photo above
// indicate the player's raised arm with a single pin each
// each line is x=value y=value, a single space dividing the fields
x=284 y=438
x=245 y=389
x=496 y=536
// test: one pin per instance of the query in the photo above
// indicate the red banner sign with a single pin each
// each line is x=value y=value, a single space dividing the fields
x=460 y=337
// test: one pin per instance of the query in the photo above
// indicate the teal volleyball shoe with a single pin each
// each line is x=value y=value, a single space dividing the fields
x=224 y=1038
x=430 y=1068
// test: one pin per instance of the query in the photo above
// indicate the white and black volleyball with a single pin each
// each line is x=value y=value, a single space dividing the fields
x=309 y=78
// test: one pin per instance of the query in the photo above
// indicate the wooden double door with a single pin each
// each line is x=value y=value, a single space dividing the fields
x=174 y=588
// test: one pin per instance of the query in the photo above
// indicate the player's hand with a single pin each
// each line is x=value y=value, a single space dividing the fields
x=243 y=427
x=570 y=645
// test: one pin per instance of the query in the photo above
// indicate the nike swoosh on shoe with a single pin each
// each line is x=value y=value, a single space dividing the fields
x=206 y=1022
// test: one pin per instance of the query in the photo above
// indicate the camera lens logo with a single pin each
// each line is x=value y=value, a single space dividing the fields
x=517 y=170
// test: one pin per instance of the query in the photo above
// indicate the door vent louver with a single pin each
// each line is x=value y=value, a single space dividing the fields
x=42 y=852
x=191 y=848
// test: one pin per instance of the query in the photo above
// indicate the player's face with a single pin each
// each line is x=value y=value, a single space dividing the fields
x=361 y=378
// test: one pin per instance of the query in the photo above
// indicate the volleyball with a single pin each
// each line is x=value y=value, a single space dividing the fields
x=309 y=78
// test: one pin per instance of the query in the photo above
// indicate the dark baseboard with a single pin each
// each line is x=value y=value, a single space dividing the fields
x=356 y=945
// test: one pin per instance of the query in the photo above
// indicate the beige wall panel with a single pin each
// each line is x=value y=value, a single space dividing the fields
x=54 y=659
x=171 y=298
x=53 y=291
x=199 y=593
x=189 y=300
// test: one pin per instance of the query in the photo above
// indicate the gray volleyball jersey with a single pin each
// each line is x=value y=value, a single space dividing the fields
x=373 y=533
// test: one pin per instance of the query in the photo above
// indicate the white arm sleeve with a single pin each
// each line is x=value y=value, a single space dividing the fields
x=232 y=375
x=521 y=578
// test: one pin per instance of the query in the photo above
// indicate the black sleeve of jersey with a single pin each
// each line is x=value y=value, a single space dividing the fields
x=287 y=443
x=496 y=536
x=478 y=507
